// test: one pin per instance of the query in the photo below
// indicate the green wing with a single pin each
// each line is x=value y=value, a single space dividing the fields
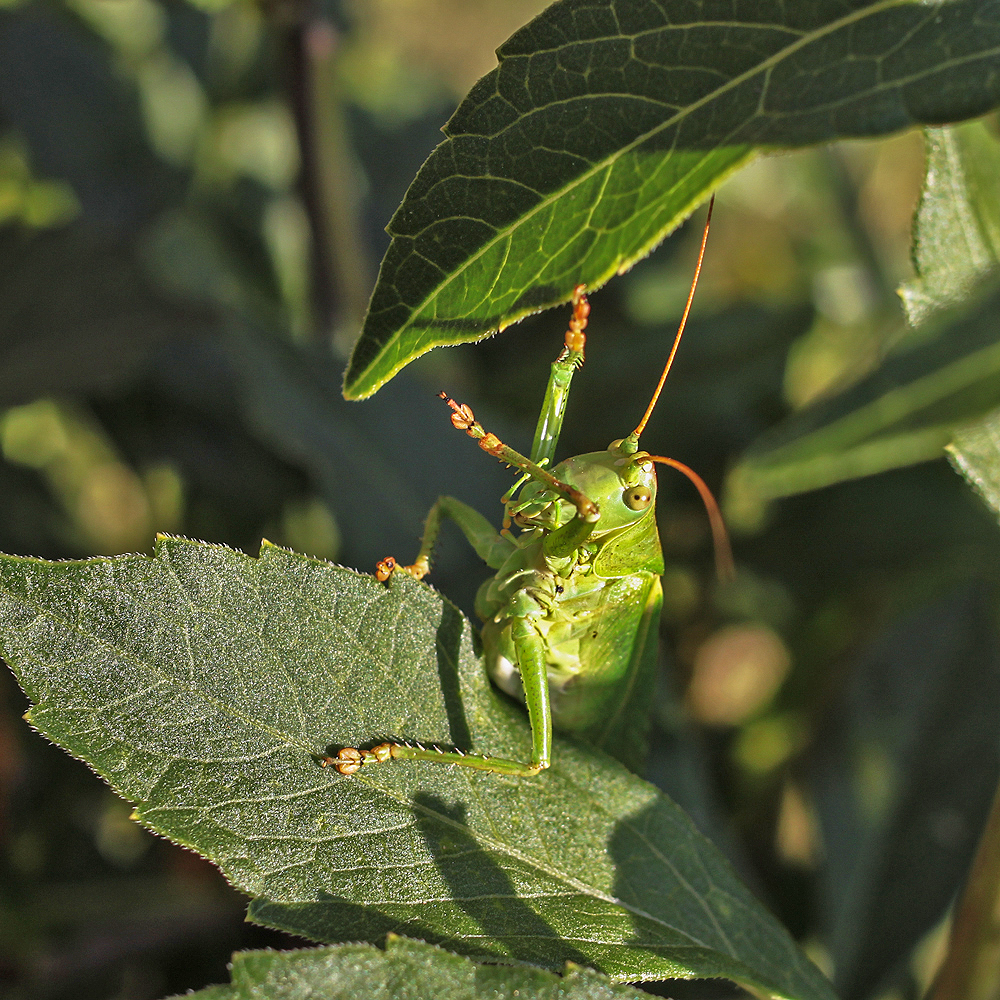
x=619 y=656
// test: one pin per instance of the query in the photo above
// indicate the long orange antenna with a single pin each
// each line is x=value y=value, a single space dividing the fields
x=720 y=537
x=634 y=436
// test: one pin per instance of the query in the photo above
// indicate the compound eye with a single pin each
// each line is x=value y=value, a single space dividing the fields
x=638 y=497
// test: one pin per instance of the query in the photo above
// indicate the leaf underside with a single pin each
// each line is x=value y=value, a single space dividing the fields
x=607 y=121
x=205 y=685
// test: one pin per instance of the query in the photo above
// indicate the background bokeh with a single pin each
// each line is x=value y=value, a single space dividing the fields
x=192 y=202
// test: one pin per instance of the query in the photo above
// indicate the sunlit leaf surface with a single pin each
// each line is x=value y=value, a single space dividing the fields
x=975 y=451
x=605 y=123
x=956 y=237
x=206 y=685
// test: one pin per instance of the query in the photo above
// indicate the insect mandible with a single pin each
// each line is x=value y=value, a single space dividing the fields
x=571 y=616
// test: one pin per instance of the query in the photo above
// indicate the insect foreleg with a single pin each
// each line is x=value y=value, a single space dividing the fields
x=465 y=420
x=561 y=375
x=566 y=540
x=492 y=548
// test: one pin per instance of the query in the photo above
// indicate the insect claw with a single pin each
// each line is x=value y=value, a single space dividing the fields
x=463 y=418
x=347 y=762
x=576 y=339
x=387 y=566
x=384 y=569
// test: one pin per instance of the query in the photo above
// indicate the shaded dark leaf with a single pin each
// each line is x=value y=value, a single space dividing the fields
x=607 y=122
x=904 y=782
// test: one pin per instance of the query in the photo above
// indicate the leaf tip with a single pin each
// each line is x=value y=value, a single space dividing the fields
x=362 y=385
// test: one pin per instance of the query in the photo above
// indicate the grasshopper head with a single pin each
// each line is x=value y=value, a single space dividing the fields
x=623 y=485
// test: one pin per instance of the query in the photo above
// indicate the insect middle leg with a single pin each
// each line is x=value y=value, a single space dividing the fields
x=490 y=546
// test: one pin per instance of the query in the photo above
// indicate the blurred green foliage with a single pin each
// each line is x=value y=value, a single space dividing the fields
x=184 y=258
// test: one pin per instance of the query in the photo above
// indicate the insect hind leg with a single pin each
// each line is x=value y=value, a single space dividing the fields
x=530 y=651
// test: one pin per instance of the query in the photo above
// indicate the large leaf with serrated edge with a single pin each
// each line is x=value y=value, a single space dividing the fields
x=205 y=686
x=607 y=121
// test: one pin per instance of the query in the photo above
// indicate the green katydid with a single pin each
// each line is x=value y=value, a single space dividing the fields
x=571 y=616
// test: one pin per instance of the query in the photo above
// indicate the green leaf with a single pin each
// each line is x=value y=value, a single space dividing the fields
x=409 y=968
x=957 y=246
x=939 y=378
x=975 y=452
x=956 y=233
x=607 y=121
x=205 y=686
